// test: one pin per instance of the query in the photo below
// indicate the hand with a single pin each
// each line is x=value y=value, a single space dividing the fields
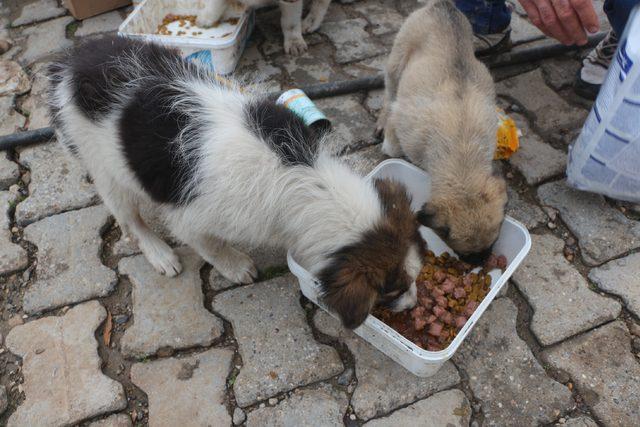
x=564 y=20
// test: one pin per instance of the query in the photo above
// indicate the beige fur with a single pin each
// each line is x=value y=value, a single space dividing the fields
x=439 y=111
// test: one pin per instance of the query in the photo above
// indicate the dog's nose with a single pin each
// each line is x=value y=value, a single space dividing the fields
x=476 y=258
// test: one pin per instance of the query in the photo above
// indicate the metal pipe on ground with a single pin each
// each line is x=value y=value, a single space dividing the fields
x=323 y=90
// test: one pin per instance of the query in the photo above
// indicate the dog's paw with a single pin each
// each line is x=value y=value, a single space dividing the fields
x=310 y=24
x=205 y=21
x=164 y=261
x=391 y=150
x=295 y=45
x=240 y=270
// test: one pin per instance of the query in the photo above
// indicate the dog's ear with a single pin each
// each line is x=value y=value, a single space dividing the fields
x=349 y=292
x=425 y=216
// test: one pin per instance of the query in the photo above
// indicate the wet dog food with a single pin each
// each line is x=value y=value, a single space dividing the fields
x=448 y=294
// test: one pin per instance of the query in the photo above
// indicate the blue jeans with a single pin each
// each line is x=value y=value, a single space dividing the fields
x=618 y=12
x=493 y=16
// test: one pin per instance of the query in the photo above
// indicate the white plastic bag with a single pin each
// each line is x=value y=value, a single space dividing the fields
x=605 y=158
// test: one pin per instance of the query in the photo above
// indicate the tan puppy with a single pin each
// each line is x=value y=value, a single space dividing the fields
x=439 y=111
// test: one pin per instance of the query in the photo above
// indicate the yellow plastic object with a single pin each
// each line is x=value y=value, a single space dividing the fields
x=507 y=141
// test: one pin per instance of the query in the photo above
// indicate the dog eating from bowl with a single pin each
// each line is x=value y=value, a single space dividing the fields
x=226 y=166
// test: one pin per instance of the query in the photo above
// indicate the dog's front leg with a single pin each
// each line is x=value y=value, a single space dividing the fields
x=211 y=13
x=314 y=18
x=292 y=27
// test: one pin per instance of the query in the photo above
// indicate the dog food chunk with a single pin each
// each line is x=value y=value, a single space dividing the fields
x=459 y=293
x=448 y=294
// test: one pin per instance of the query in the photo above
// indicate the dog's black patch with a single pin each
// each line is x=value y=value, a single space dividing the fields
x=149 y=128
x=287 y=135
x=100 y=72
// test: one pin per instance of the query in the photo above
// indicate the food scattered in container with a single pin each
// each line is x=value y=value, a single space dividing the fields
x=449 y=291
x=173 y=23
x=185 y=25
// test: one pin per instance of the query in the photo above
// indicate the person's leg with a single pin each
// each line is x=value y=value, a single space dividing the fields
x=618 y=12
x=486 y=16
x=490 y=21
x=595 y=65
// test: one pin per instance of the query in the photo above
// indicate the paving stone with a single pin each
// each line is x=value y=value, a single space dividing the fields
x=562 y=302
x=582 y=421
x=117 y=420
x=274 y=340
x=37 y=11
x=103 y=23
x=12 y=256
x=316 y=407
x=252 y=67
x=522 y=31
x=335 y=12
x=602 y=16
x=536 y=160
x=36 y=102
x=9 y=172
x=561 y=71
x=352 y=42
x=447 y=408
x=268 y=261
x=10 y=119
x=366 y=68
x=602 y=231
x=503 y=374
x=527 y=213
x=604 y=371
x=13 y=79
x=552 y=113
x=189 y=389
x=353 y=127
x=363 y=161
x=58 y=184
x=408 y=6
x=45 y=39
x=238 y=416
x=517 y=7
x=167 y=311
x=621 y=277
x=311 y=67
x=382 y=15
x=63 y=381
x=383 y=385
x=69 y=269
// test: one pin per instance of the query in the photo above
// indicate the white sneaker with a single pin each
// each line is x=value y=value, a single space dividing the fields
x=595 y=66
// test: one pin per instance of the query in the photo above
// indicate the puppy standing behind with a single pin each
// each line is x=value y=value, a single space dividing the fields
x=209 y=12
x=440 y=112
x=224 y=165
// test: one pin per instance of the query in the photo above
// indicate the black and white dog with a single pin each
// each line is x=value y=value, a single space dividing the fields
x=224 y=165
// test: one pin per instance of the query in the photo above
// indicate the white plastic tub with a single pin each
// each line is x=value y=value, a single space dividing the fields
x=514 y=242
x=218 y=47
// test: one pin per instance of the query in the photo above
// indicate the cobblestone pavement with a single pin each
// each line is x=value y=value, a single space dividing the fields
x=90 y=335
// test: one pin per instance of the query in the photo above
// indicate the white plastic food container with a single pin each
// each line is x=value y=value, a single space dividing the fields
x=514 y=242
x=218 y=47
